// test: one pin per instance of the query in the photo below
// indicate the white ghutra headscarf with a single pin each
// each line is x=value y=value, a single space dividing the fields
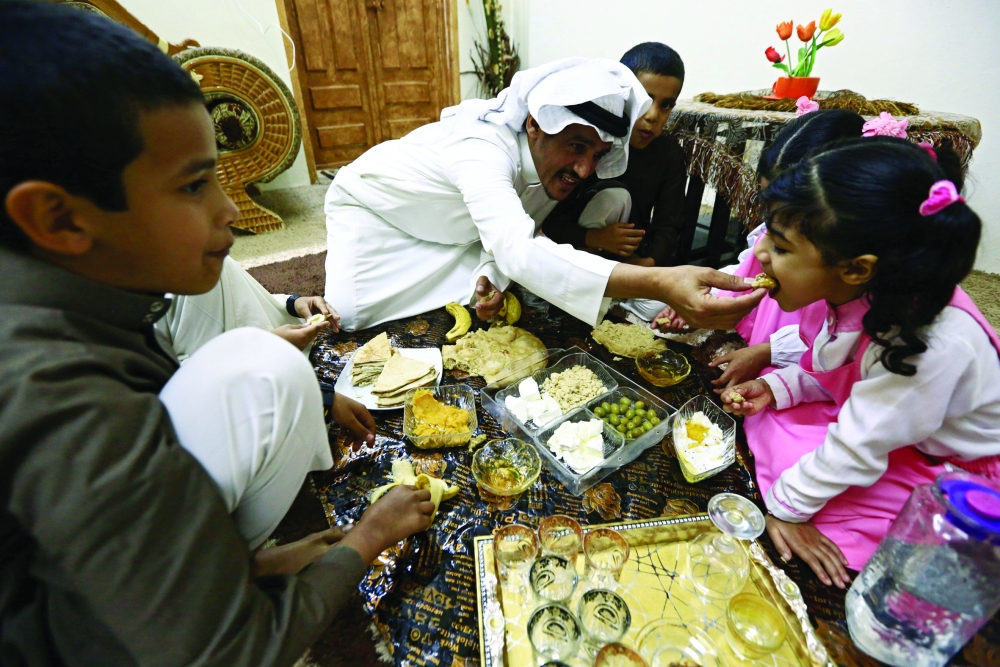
x=548 y=92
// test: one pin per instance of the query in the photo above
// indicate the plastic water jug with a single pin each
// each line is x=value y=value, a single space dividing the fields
x=935 y=578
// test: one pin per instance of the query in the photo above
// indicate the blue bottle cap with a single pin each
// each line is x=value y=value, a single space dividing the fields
x=974 y=507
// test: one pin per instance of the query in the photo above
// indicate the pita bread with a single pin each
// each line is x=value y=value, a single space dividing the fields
x=400 y=371
x=378 y=349
x=420 y=382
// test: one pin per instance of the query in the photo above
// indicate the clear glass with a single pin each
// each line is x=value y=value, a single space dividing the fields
x=554 y=633
x=719 y=564
x=754 y=628
x=667 y=642
x=506 y=467
x=606 y=552
x=515 y=548
x=663 y=369
x=553 y=579
x=561 y=536
x=604 y=615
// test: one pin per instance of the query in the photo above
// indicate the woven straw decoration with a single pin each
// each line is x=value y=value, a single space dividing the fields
x=257 y=124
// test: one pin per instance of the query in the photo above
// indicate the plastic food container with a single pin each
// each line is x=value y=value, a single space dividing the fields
x=663 y=411
x=566 y=362
x=693 y=469
x=457 y=395
x=578 y=482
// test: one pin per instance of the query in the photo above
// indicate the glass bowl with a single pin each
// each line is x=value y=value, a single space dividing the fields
x=456 y=395
x=663 y=369
x=667 y=642
x=700 y=462
x=754 y=628
x=506 y=467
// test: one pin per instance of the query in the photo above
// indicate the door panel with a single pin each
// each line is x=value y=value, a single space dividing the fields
x=369 y=70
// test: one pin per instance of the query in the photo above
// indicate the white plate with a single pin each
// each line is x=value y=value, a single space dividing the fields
x=430 y=355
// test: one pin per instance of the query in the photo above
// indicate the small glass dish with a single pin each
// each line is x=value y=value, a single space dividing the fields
x=663 y=369
x=554 y=633
x=506 y=467
x=456 y=395
x=553 y=579
x=754 y=628
x=515 y=547
x=668 y=642
x=700 y=462
x=618 y=655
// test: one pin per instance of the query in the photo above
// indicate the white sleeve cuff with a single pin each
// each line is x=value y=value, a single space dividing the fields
x=786 y=346
x=782 y=394
x=782 y=510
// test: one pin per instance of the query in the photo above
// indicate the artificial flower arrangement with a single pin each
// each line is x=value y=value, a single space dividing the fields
x=814 y=40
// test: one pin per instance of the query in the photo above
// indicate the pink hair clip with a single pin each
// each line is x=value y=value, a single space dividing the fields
x=929 y=147
x=885 y=125
x=942 y=195
x=804 y=105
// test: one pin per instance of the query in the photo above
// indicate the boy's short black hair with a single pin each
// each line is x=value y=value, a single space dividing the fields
x=72 y=84
x=654 y=58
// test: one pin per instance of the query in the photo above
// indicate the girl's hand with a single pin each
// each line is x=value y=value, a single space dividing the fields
x=300 y=335
x=673 y=323
x=355 y=417
x=744 y=364
x=755 y=396
x=805 y=541
x=307 y=306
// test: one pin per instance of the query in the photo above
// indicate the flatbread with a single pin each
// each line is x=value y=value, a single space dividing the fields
x=378 y=349
x=420 y=382
x=400 y=371
x=491 y=353
x=627 y=340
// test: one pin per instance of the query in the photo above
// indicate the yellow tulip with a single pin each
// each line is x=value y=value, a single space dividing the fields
x=833 y=37
x=828 y=19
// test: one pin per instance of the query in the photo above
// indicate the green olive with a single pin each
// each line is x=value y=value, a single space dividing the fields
x=639 y=412
x=614 y=420
x=606 y=406
x=600 y=412
x=647 y=427
x=636 y=422
x=650 y=413
x=621 y=428
x=635 y=433
x=654 y=420
x=615 y=409
x=629 y=413
x=625 y=401
x=639 y=405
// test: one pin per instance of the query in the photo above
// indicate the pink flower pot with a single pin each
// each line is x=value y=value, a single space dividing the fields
x=795 y=86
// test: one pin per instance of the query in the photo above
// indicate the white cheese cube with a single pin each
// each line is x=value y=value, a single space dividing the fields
x=528 y=388
x=516 y=406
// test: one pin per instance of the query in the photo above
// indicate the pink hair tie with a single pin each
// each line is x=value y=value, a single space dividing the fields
x=886 y=126
x=929 y=147
x=942 y=195
x=804 y=105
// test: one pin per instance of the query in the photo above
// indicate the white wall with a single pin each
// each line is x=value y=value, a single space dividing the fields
x=222 y=23
x=942 y=55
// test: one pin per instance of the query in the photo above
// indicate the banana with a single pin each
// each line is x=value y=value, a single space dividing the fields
x=512 y=308
x=462 y=321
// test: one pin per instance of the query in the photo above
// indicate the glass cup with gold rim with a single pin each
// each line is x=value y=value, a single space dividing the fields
x=515 y=547
x=606 y=552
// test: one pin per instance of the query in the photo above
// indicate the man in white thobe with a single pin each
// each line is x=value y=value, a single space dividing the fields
x=452 y=210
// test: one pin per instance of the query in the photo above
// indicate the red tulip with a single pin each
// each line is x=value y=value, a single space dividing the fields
x=784 y=30
x=806 y=31
x=773 y=55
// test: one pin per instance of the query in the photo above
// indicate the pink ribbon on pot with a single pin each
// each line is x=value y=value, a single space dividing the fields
x=942 y=195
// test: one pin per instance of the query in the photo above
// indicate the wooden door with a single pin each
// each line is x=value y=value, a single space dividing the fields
x=370 y=70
